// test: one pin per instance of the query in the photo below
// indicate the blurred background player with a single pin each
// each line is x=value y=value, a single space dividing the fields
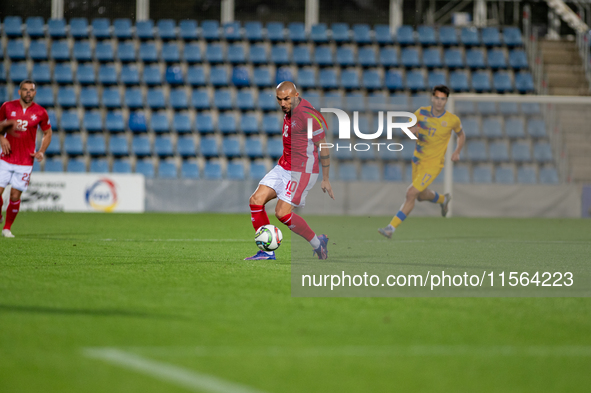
x=433 y=130
x=18 y=146
x=296 y=172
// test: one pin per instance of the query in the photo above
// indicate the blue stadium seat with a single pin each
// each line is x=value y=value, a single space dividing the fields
x=134 y=98
x=279 y=55
x=18 y=72
x=349 y=79
x=212 y=171
x=476 y=151
x=118 y=146
x=114 y=122
x=3 y=71
x=471 y=127
x=38 y=50
x=35 y=26
x=366 y=57
x=103 y=52
x=200 y=99
x=167 y=170
x=284 y=74
x=393 y=172
x=344 y=57
x=323 y=56
x=210 y=30
x=370 y=172
x=524 y=82
x=181 y=123
x=372 y=80
x=148 y=52
x=307 y=78
x=436 y=78
x=328 y=79
x=92 y=121
x=178 y=99
x=137 y=122
x=253 y=31
x=253 y=147
x=499 y=152
x=257 y=171
x=491 y=36
x=482 y=174
x=222 y=100
x=141 y=146
x=196 y=76
x=536 y=128
x=481 y=81
x=512 y=36
x=41 y=74
x=231 y=147
x=543 y=152
x=549 y=176
x=258 y=54
x=491 y=128
x=405 y=35
x=318 y=33
x=227 y=123
x=432 y=58
x=470 y=36
x=415 y=80
x=185 y=146
x=192 y=53
x=475 y=58
x=504 y=175
x=70 y=121
x=214 y=54
x=163 y=146
x=487 y=108
x=398 y=101
x=362 y=34
x=427 y=35
x=111 y=97
x=79 y=28
x=240 y=76
x=521 y=152
x=96 y=145
x=189 y=170
x=144 y=29
x=167 y=29
x=333 y=99
x=409 y=57
x=16 y=50
x=394 y=80
x=54 y=165
x=502 y=82
x=121 y=166
x=82 y=51
x=204 y=124
x=66 y=97
x=156 y=99
x=99 y=165
x=63 y=74
x=296 y=32
x=496 y=59
x=518 y=59
x=313 y=98
x=218 y=76
x=275 y=31
x=340 y=32
x=54 y=147
x=44 y=97
x=274 y=147
x=267 y=101
x=188 y=29
x=159 y=123
x=514 y=128
x=461 y=174
x=107 y=75
x=508 y=108
x=236 y=54
x=146 y=168
x=122 y=28
x=76 y=165
x=301 y=55
x=271 y=125
x=13 y=26
x=126 y=52
x=448 y=36
x=152 y=75
x=383 y=35
x=526 y=175
x=249 y=124
x=458 y=81
x=530 y=108
x=347 y=172
x=130 y=75
x=209 y=147
x=73 y=145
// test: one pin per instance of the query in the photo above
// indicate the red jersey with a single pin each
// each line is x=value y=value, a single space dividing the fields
x=299 y=153
x=27 y=121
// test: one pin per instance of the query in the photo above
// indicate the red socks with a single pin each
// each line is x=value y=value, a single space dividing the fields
x=298 y=225
x=11 y=213
x=258 y=216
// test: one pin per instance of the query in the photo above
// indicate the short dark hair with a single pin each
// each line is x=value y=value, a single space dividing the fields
x=31 y=81
x=442 y=88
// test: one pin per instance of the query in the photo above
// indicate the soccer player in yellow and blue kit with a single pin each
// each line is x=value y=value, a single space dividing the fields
x=433 y=130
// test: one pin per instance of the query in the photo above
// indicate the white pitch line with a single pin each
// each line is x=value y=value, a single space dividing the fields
x=189 y=379
x=177 y=240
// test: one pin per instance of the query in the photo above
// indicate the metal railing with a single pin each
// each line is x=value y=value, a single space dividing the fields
x=583 y=45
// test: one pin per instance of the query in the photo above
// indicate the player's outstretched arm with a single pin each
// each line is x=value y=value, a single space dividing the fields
x=461 y=140
x=39 y=154
x=325 y=163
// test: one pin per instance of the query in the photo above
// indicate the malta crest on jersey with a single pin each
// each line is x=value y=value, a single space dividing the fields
x=13 y=113
x=34 y=117
x=286 y=131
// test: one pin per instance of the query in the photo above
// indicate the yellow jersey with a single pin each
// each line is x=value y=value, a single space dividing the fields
x=434 y=134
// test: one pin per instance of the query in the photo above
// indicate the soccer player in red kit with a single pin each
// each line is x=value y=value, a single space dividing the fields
x=19 y=120
x=295 y=174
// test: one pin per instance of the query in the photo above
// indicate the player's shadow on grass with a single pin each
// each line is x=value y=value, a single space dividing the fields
x=81 y=311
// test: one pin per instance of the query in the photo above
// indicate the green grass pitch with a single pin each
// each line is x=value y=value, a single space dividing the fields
x=153 y=286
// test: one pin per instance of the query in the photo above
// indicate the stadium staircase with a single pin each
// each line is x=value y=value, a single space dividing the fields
x=577 y=142
x=562 y=64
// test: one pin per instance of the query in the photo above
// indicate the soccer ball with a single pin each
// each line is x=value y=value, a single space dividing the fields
x=268 y=238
